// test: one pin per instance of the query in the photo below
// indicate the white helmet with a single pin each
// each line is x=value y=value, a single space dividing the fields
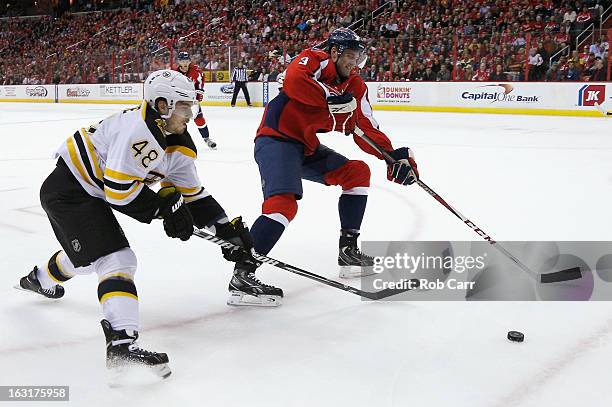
x=170 y=85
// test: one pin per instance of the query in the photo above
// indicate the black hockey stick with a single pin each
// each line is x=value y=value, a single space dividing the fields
x=378 y=295
x=573 y=273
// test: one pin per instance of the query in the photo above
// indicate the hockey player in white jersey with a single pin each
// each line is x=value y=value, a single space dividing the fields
x=111 y=165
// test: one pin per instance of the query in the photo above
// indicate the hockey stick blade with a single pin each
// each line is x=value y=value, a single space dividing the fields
x=376 y=295
x=573 y=273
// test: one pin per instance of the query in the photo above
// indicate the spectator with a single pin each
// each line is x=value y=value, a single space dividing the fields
x=469 y=73
x=444 y=74
x=598 y=73
x=573 y=72
x=569 y=16
x=596 y=49
x=482 y=73
x=535 y=65
x=552 y=74
x=583 y=19
x=429 y=75
x=103 y=76
x=273 y=74
x=499 y=74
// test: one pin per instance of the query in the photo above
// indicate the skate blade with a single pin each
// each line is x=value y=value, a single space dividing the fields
x=132 y=374
x=356 y=271
x=241 y=299
x=20 y=288
x=162 y=370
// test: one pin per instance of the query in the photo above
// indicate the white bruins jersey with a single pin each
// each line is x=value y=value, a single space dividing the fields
x=114 y=159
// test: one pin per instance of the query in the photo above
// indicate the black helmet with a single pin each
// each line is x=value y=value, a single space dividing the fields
x=183 y=56
x=344 y=38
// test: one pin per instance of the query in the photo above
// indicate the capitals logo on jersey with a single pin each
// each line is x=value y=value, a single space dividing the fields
x=588 y=95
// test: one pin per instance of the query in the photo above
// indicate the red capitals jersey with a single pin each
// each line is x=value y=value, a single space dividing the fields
x=300 y=110
x=195 y=74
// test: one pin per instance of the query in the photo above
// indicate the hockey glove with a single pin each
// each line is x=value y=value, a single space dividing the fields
x=404 y=170
x=342 y=109
x=344 y=103
x=178 y=221
x=236 y=232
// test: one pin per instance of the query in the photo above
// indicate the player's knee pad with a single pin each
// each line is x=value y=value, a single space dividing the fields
x=200 y=121
x=116 y=274
x=352 y=174
x=283 y=204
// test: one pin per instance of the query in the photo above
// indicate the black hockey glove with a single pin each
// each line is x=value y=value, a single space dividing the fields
x=178 y=221
x=236 y=232
x=404 y=170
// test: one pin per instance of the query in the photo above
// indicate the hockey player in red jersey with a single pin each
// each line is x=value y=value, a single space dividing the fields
x=321 y=92
x=193 y=72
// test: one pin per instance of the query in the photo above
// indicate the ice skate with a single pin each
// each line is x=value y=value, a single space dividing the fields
x=122 y=351
x=353 y=263
x=31 y=284
x=246 y=289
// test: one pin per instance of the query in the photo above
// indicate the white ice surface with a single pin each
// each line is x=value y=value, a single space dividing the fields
x=519 y=178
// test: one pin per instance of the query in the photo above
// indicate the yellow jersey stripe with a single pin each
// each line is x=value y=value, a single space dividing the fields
x=120 y=175
x=119 y=196
x=117 y=294
x=75 y=160
x=143 y=110
x=187 y=191
x=182 y=190
x=92 y=154
x=181 y=149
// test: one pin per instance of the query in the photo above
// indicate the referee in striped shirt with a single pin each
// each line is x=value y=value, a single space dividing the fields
x=240 y=79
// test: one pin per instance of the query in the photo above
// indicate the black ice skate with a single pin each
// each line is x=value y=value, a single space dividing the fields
x=31 y=284
x=352 y=262
x=122 y=350
x=210 y=143
x=246 y=289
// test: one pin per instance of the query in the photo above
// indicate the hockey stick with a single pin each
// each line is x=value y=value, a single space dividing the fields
x=378 y=295
x=573 y=273
x=602 y=110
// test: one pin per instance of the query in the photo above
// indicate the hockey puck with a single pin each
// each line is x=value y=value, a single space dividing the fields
x=516 y=336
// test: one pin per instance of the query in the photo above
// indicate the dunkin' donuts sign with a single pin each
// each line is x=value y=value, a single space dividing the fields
x=392 y=93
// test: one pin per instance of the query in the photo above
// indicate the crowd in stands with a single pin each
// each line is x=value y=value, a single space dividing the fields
x=487 y=40
x=414 y=40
